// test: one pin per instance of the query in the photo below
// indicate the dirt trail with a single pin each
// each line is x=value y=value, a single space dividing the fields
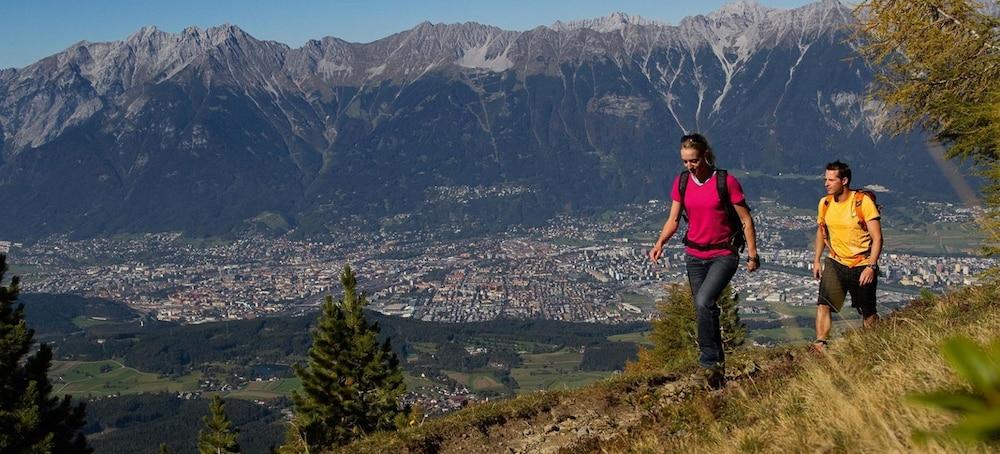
x=584 y=421
x=575 y=423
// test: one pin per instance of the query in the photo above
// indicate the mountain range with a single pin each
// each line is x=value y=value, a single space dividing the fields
x=467 y=126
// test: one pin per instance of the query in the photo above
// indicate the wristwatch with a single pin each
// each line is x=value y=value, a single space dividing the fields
x=873 y=266
x=753 y=258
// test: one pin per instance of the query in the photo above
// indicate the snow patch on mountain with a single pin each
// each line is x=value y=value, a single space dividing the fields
x=372 y=72
x=329 y=68
x=478 y=57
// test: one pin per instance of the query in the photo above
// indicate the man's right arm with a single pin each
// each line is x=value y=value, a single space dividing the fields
x=819 y=246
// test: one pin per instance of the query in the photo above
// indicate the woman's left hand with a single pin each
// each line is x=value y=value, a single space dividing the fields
x=753 y=262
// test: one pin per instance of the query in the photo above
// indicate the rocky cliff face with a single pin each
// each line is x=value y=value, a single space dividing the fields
x=204 y=130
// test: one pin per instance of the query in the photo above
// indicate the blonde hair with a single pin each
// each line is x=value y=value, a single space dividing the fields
x=696 y=141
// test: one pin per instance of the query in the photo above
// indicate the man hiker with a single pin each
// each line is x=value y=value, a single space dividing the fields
x=849 y=227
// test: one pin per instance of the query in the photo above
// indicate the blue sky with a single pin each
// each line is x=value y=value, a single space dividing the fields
x=33 y=29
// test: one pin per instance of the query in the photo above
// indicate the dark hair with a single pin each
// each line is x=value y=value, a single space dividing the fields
x=843 y=171
x=698 y=142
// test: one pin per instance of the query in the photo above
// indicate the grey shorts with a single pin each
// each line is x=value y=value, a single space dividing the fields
x=839 y=280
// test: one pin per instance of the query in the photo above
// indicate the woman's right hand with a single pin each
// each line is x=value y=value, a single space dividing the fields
x=656 y=252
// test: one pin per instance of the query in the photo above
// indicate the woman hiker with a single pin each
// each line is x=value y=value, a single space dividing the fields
x=717 y=231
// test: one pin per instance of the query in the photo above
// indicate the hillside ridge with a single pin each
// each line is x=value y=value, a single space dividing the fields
x=771 y=403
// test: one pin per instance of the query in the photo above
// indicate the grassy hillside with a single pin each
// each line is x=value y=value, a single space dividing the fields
x=852 y=399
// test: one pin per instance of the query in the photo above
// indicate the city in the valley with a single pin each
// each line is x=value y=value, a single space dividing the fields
x=591 y=268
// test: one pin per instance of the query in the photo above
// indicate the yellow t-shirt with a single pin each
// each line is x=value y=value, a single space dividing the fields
x=847 y=238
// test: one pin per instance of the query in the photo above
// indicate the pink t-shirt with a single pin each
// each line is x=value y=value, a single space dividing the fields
x=706 y=215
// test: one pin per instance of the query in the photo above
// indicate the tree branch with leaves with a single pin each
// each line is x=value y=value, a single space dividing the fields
x=31 y=419
x=937 y=66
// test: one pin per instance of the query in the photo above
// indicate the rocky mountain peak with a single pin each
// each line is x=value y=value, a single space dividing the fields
x=464 y=30
x=613 y=22
x=216 y=111
x=146 y=33
x=826 y=12
x=747 y=9
x=214 y=36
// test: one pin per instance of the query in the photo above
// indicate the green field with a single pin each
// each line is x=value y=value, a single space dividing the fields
x=429 y=348
x=793 y=311
x=266 y=390
x=477 y=381
x=22 y=270
x=799 y=334
x=565 y=359
x=272 y=220
x=84 y=322
x=572 y=242
x=203 y=242
x=413 y=382
x=794 y=331
x=809 y=311
x=530 y=381
x=87 y=378
x=534 y=347
x=638 y=299
x=558 y=370
x=941 y=238
x=638 y=338
x=517 y=345
x=287 y=385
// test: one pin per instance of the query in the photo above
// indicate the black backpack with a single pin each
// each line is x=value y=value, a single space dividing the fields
x=738 y=240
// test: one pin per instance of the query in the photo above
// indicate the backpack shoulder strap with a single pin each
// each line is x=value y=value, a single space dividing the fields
x=682 y=183
x=822 y=209
x=722 y=185
x=824 y=230
x=859 y=198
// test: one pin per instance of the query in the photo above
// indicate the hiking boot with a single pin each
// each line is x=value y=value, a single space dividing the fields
x=818 y=346
x=717 y=377
x=713 y=378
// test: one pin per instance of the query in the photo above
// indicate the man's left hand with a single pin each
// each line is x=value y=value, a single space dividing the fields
x=867 y=276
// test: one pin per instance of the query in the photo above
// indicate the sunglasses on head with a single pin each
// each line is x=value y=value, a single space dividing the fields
x=694 y=138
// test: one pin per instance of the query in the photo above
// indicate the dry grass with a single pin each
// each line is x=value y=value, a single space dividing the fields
x=429 y=436
x=851 y=400
x=484 y=422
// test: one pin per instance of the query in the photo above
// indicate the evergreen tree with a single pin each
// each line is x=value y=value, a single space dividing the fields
x=939 y=63
x=674 y=333
x=351 y=384
x=219 y=436
x=734 y=331
x=31 y=420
